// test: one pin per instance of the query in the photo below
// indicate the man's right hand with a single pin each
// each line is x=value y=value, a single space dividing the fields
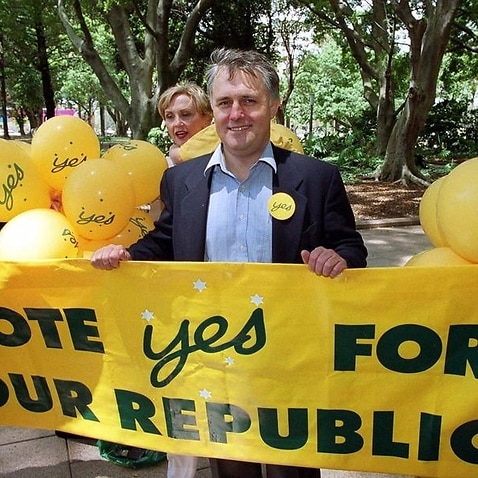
x=109 y=257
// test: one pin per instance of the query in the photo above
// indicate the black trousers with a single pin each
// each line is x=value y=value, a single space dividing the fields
x=242 y=469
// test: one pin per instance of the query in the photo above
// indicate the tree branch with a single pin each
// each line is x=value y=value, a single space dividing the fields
x=87 y=51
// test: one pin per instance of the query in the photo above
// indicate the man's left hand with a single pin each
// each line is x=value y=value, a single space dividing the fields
x=324 y=262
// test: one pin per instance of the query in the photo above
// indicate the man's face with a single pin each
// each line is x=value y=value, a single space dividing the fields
x=243 y=112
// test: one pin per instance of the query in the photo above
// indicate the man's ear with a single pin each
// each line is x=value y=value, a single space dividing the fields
x=274 y=108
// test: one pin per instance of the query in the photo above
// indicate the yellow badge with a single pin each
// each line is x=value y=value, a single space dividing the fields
x=281 y=206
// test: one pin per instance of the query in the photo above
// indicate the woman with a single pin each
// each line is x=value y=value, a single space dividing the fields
x=186 y=110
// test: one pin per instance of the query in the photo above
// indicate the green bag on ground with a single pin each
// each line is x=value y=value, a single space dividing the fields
x=129 y=456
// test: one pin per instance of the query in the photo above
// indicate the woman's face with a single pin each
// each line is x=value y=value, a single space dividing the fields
x=183 y=120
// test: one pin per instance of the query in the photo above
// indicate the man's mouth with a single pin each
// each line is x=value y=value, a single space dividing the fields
x=239 y=128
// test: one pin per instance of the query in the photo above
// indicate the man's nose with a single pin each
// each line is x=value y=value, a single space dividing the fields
x=236 y=110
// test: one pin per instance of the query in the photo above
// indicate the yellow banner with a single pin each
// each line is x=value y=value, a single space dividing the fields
x=375 y=370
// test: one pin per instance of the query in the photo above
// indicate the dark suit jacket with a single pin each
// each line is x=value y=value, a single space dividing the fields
x=323 y=216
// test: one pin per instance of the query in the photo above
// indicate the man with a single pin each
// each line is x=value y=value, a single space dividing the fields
x=249 y=201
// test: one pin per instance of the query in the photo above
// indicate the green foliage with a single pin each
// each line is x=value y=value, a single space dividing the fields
x=240 y=24
x=159 y=137
x=351 y=150
x=328 y=88
x=78 y=85
x=451 y=130
x=21 y=25
x=353 y=157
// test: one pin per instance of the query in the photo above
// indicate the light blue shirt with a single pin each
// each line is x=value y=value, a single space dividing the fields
x=239 y=226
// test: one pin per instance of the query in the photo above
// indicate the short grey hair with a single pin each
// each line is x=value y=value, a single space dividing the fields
x=250 y=62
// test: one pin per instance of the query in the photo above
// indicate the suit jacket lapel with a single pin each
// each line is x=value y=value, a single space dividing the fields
x=286 y=234
x=194 y=206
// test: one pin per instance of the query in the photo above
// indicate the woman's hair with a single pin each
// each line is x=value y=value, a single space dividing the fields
x=250 y=62
x=191 y=89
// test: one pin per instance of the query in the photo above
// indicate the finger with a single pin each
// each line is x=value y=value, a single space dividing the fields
x=305 y=256
x=333 y=267
x=326 y=262
x=109 y=257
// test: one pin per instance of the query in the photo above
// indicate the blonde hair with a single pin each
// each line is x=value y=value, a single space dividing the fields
x=191 y=89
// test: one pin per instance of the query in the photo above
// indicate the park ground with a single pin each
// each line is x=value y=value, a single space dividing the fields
x=375 y=200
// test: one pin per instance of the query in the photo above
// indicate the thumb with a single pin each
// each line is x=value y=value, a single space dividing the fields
x=125 y=255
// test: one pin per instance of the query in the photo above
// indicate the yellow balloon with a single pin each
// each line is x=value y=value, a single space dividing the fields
x=138 y=226
x=440 y=256
x=22 y=187
x=60 y=145
x=38 y=234
x=428 y=214
x=206 y=141
x=24 y=145
x=98 y=198
x=457 y=210
x=86 y=247
x=144 y=163
x=284 y=138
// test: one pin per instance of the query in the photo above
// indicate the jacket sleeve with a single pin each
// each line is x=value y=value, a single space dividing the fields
x=340 y=227
x=329 y=220
x=156 y=245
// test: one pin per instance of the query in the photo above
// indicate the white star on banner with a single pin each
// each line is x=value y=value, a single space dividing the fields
x=199 y=285
x=205 y=394
x=147 y=315
x=229 y=361
x=256 y=299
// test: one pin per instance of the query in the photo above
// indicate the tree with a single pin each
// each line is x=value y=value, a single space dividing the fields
x=43 y=64
x=152 y=65
x=31 y=38
x=292 y=37
x=3 y=89
x=326 y=91
x=244 y=24
x=429 y=35
x=378 y=33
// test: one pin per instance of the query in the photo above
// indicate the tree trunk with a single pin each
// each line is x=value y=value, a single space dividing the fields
x=428 y=41
x=3 y=91
x=44 y=67
x=386 y=117
x=401 y=142
x=102 y=121
x=139 y=111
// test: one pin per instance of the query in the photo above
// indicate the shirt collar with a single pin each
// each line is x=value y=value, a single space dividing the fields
x=217 y=159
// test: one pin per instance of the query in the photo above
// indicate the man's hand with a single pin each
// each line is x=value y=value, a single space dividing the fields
x=109 y=257
x=324 y=262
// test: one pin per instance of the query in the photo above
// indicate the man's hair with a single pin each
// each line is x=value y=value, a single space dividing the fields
x=191 y=89
x=250 y=62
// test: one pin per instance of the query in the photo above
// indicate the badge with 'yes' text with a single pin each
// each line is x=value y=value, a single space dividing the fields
x=281 y=206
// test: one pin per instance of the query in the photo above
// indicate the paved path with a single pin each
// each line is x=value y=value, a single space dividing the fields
x=30 y=453
x=394 y=246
